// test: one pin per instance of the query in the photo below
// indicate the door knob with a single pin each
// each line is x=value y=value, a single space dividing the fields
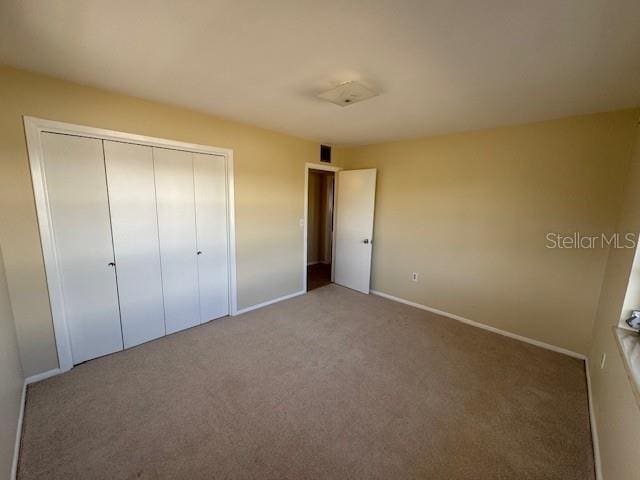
x=366 y=240
x=199 y=252
x=112 y=264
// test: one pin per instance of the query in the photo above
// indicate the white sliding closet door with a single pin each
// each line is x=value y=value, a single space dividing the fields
x=210 y=182
x=134 y=222
x=177 y=228
x=77 y=194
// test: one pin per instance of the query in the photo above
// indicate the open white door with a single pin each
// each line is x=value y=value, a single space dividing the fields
x=355 y=199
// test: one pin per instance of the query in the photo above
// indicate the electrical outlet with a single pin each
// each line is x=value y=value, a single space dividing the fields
x=603 y=360
x=414 y=277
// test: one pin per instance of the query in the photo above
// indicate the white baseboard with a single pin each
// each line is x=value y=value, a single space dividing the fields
x=16 y=448
x=27 y=381
x=594 y=426
x=269 y=302
x=473 y=323
x=42 y=376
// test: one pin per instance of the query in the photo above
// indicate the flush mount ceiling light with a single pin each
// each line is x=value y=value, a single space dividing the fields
x=348 y=93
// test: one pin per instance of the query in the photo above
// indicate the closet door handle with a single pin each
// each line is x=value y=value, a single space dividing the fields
x=199 y=252
x=111 y=264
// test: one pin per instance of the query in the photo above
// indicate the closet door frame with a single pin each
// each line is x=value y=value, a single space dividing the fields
x=34 y=127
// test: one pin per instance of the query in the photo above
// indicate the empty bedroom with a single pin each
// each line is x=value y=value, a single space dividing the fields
x=319 y=240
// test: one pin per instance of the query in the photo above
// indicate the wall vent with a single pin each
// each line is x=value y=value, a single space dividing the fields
x=325 y=153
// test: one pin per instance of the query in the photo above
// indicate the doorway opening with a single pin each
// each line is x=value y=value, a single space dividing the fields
x=320 y=209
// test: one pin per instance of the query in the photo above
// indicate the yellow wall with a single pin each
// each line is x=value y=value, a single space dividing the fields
x=10 y=379
x=615 y=407
x=269 y=181
x=470 y=212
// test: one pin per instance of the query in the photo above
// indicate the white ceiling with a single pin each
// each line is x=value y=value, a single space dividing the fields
x=440 y=65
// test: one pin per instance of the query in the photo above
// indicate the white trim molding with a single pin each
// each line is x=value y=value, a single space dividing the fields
x=594 y=425
x=231 y=235
x=269 y=302
x=327 y=168
x=16 y=448
x=483 y=326
x=34 y=127
x=23 y=402
x=42 y=376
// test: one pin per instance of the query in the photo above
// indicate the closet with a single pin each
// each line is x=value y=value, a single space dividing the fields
x=140 y=235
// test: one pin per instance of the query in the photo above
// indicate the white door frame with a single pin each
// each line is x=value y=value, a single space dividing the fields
x=34 y=127
x=328 y=168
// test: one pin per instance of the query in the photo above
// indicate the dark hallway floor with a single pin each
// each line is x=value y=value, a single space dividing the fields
x=318 y=275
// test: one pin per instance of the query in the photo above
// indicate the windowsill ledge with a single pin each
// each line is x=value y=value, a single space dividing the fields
x=629 y=345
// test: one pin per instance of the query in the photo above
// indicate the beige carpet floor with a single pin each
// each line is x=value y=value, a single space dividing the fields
x=330 y=385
